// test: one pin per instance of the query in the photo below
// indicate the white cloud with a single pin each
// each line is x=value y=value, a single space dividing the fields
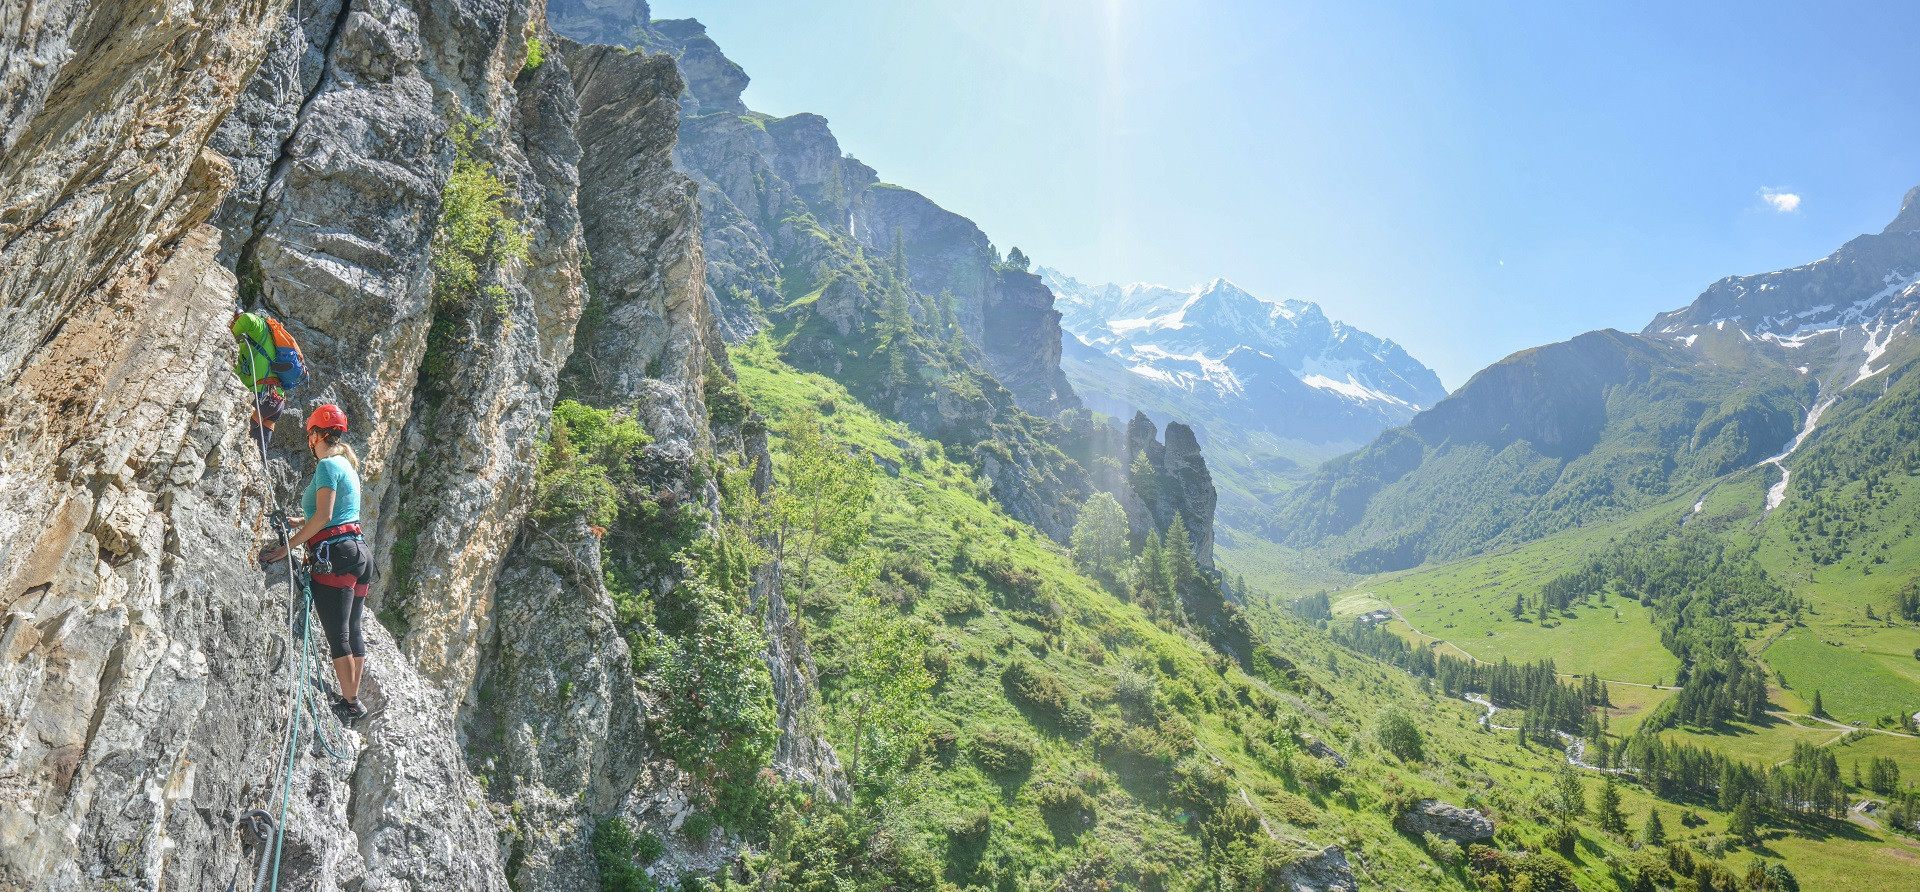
x=1782 y=202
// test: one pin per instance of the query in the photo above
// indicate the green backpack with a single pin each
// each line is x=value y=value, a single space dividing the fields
x=267 y=350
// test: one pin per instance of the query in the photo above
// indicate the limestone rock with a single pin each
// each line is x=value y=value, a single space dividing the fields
x=146 y=658
x=611 y=22
x=1319 y=748
x=106 y=105
x=1451 y=821
x=1324 y=871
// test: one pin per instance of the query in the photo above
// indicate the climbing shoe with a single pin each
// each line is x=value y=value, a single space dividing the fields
x=351 y=710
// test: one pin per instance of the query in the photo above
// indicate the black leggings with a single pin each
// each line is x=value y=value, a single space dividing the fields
x=340 y=610
x=342 y=597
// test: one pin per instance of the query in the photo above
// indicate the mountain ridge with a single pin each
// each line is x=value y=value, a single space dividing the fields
x=1565 y=434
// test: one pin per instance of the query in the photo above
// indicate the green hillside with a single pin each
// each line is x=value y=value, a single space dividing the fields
x=1816 y=595
x=1010 y=722
x=1549 y=439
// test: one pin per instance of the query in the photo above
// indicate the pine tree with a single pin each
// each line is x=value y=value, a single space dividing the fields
x=1570 y=793
x=1519 y=605
x=1607 y=811
x=1653 y=833
x=1152 y=584
x=1744 y=824
x=1144 y=478
x=1181 y=565
x=1819 y=709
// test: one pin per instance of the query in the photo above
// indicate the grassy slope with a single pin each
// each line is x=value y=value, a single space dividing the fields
x=933 y=509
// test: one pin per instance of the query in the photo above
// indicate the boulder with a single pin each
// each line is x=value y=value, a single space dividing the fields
x=1319 y=748
x=1461 y=825
x=1323 y=871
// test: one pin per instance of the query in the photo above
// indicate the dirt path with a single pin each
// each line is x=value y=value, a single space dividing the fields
x=1857 y=813
x=1844 y=727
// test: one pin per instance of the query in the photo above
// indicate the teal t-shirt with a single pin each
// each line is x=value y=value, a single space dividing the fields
x=335 y=474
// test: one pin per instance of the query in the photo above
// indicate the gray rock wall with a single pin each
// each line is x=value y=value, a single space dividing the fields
x=143 y=657
x=106 y=109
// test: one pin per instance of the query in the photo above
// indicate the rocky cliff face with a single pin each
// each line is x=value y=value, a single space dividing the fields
x=758 y=174
x=874 y=285
x=145 y=658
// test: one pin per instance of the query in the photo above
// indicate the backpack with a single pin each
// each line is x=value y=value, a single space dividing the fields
x=286 y=363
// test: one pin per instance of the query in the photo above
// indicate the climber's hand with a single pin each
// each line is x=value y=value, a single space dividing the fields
x=270 y=555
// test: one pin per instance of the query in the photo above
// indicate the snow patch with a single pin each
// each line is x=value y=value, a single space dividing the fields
x=1354 y=390
x=1876 y=347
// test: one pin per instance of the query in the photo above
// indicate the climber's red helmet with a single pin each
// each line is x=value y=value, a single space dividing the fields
x=327 y=418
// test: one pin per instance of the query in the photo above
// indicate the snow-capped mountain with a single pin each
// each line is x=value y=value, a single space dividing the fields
x=1836 y=317
x=1278 y=366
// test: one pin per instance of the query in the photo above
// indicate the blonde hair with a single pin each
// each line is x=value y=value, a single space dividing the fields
x=331 y=446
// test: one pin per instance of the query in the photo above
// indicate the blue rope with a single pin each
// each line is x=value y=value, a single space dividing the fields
x=293 y=732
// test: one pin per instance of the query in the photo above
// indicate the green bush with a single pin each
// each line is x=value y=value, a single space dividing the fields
x=589 y=465
x=475 y=234
x=615 y=848
x=726 y=405
x=1003 y=753
x=1060 y=800
x=698 y=826
x=1042 y=694
x=1400 y=735
x=944 y=740
x=648 y=848
x=719 y=719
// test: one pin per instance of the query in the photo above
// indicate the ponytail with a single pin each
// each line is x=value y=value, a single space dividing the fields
x=336 y=445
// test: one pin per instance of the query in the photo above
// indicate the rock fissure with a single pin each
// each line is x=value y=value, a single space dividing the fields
x=276 y=169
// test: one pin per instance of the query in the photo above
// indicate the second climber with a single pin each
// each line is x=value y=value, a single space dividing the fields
x=338 y=556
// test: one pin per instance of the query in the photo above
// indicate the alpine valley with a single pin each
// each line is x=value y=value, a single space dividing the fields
x=743 y=520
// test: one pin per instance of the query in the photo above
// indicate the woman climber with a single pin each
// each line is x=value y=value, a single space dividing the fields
x=337 y=551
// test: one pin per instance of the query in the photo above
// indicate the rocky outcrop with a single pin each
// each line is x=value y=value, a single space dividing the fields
x=610 y=22
x=1007 y=311
x=755 y=172
x=713 y=81
x=560 y=723
x=1324 y=871
x=1180 y=484
x=1449 y=821
x=146 y=656
x=145 y=660
x=654 y=345
x=338 y=242
x=1320 y=749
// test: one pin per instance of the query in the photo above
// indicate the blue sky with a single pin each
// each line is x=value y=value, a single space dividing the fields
x=1468 y=179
